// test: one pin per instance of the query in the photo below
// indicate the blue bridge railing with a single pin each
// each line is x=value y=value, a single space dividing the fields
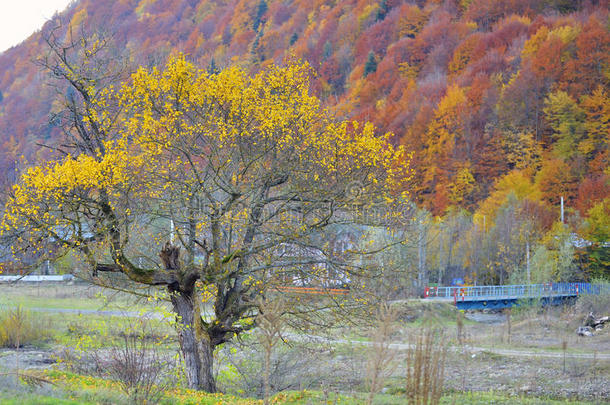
x=499 y=292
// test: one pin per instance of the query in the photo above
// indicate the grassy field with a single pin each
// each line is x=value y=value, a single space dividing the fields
x=77 y=297
x=75 y=389
x=333 y=372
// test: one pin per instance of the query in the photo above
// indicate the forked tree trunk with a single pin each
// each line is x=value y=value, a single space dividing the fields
x=195 y=345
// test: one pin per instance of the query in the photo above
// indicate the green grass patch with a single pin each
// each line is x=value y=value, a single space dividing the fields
x=68 y=329
x=92 y=389
x=97 y=389
x=33 y=399
x=76 y=297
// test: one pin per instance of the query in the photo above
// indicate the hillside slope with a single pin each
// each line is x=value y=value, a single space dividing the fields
x=488 y=94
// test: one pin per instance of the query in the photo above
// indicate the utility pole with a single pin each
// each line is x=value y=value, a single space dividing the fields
x=440 y=263
x=527 y=257
x=421 y=254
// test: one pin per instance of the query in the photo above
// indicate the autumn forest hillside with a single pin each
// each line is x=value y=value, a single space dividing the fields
x=504 y=104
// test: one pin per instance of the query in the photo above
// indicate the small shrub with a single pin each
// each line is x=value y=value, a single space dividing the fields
x=596 y=303
x=132 y=355
x=292 y=367
x=270 y=323
x=426 y=368
x=527 y=309
x=18 y=327
x=380 y=363
x=138 y=366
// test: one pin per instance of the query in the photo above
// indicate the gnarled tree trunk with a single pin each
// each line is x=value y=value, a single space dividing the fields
x=196 y=347
x=195 y=344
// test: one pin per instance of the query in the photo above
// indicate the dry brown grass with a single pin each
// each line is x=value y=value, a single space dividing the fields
x=426 y=368
x=460 y=327
x=19 y=327
x=380 y=362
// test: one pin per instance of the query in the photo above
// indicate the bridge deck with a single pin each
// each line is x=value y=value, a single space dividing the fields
x=504 y=296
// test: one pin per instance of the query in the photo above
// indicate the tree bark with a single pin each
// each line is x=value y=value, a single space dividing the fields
x=196 y=346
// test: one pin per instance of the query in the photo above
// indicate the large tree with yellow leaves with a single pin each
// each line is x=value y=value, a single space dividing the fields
x=229 y=180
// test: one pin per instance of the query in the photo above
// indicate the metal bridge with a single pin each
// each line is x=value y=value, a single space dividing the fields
x=506 y=296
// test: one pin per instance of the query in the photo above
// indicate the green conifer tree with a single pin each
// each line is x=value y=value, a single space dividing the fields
x=371 y=64
x=261 y=9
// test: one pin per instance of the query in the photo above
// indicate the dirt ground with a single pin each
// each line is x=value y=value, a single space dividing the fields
x=528 y=361
x=539 y=376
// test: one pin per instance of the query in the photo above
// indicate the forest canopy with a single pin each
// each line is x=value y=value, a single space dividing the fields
x=504 y=104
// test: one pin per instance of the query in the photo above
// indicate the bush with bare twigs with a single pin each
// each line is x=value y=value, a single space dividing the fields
x=426 y=368
x=270 y=325
x=135 y=357
x=138 y=365
x=381 y=360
